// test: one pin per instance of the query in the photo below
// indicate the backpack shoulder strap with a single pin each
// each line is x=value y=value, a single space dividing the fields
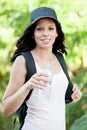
x=70 y=85
x=62 y=62
x=30 y=66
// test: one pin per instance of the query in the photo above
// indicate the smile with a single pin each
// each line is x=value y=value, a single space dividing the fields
x=45 y=40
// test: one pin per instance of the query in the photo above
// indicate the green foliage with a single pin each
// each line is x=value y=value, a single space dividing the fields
x=15 y=16
x=75 y=111
x=80 y=124
x=6 y=123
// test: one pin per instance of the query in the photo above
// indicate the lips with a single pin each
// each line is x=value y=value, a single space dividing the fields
x=45 y=40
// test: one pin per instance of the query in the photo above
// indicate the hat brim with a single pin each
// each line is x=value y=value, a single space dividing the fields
x=34 y=21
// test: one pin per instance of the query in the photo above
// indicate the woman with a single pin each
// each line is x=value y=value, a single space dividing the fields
x=43 y=38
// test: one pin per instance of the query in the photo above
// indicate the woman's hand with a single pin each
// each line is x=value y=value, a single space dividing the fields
x=77 y=94
x=38 y=80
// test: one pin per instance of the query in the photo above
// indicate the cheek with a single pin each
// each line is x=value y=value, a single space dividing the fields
x=36 y=35
x=55 y=36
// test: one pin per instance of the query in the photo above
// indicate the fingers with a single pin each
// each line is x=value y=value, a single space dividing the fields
x=39 y=80
x=77 y=94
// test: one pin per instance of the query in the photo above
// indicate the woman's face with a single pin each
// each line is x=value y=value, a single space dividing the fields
x=45 y=33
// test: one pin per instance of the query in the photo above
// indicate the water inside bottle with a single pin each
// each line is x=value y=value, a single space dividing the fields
x=45 y=94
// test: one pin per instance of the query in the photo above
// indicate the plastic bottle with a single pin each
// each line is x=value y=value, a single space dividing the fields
x=45 y=94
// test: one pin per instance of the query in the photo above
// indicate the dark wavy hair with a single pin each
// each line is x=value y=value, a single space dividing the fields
x=27 y=43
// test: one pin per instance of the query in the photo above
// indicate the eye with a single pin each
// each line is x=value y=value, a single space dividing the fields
x=39 y=29
x=51 y=28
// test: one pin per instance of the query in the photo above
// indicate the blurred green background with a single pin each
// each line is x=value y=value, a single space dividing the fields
x=14 y=17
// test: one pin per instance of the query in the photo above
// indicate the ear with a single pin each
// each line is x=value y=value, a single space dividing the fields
x=57 y=34
x=33 y=36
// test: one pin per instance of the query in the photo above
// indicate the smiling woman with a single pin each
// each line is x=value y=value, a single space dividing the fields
x=45 y=32
x=41 y=45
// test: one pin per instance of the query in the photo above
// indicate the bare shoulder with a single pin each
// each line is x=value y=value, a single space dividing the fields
x=20 y=59
x=19 y=62
x=19 y=66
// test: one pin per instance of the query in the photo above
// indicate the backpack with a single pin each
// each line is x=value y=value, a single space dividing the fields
x=31 y=69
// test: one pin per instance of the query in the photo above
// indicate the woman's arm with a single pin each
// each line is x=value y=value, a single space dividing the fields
x=17 y=89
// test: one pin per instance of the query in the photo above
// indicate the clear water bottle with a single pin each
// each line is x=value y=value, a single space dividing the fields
x=45 y=94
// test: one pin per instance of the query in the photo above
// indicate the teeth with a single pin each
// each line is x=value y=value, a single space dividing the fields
x=46 y=40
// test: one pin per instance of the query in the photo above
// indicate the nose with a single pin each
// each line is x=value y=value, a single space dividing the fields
x=46 y=32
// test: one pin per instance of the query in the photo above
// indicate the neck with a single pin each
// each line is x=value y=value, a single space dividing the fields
x=43 y=53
